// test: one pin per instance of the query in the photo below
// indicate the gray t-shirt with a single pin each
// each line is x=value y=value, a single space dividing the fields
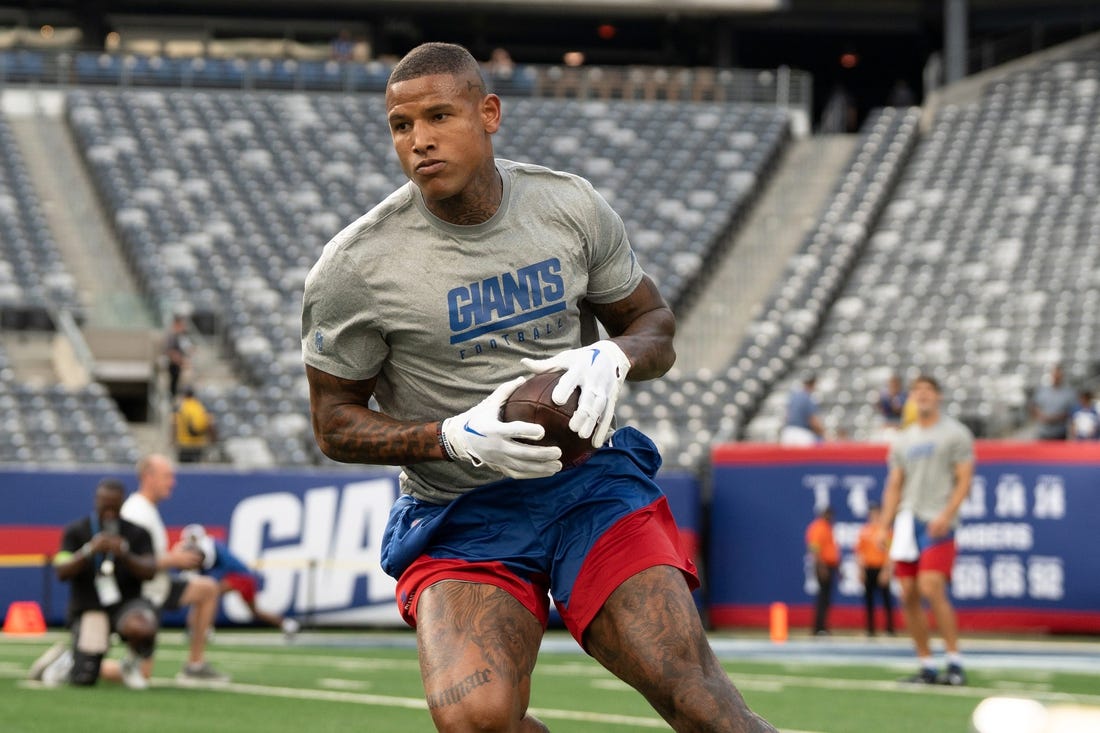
x=1051 y=400
x=928 y=456
x=442 y=313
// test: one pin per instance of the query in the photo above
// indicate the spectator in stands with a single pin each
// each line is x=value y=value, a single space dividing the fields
x=195 y=430
x=1052 y=404
x=232 y=574
x=891 y=402
x=822 y=547
x=874 y=568
x=342 y=47
x=177 y=349
x=167 y=591
x=931 y=464
x=394 y=380
x=500 y=64
x=803 y=426
x=105 y=559
x=1084 y=423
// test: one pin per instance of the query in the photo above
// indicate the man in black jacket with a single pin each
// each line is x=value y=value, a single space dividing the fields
x=105 y=559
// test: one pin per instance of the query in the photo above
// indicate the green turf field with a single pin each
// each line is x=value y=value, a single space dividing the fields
x=350 y=681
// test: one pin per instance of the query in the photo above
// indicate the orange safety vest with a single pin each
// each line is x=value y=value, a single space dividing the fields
x=870 y=546
x=819 y=536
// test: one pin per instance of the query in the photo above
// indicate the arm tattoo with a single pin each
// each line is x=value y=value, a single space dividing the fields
x=644 y=326
x=358 y=435
x=347 y=429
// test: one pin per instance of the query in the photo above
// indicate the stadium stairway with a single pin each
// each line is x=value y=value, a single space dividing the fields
x=30 y=356
x=109 y=294
x=78 y=223
x=709 y=335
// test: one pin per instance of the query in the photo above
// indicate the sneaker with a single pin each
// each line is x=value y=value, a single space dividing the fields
x=131 y=674
x=48 y=657
x=201 y=672
x=953 y=676
x=925 y=677
x=57 y=672
x=290 y=628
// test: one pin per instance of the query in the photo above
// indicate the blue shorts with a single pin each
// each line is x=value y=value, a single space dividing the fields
x=576 y=535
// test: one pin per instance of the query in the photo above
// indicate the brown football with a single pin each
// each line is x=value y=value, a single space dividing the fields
x=532 y=402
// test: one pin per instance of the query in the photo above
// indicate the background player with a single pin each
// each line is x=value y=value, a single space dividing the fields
x=232 y=574
x=166 y=590
x=931 y=466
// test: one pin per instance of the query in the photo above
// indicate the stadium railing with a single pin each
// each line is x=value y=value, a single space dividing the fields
x=782 y=87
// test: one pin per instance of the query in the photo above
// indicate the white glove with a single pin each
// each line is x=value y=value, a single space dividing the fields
x=479 y=437
x=599 y=370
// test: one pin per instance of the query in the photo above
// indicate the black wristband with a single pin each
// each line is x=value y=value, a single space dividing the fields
x=448 y=452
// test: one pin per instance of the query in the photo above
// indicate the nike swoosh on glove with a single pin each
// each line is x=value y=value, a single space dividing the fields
x=599 y=370
x=479 y=437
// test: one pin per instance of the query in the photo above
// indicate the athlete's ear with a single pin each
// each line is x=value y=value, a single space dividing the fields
x=490 y=113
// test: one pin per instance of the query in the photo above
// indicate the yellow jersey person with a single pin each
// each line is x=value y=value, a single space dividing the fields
x=195 y=428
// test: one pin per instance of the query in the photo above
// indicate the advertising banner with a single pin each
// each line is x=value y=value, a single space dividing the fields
x=313 y=536
x=1025 y=546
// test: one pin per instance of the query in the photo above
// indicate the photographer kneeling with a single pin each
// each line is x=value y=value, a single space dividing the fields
x=105 y=559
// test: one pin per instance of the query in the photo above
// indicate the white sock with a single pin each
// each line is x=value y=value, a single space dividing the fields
x=954 y=658
x=927 y=662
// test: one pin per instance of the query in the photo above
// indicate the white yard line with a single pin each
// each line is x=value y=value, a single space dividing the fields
x=633 y=721
x=826 y=683
x=352 y=660
x=408 y=703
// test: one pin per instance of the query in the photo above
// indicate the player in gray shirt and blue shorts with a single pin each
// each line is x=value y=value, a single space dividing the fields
x=437 y=304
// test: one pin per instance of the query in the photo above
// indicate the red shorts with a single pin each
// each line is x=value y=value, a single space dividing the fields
x=641 y=540
x=576 y=535
x=938 y=558
x=243 y=583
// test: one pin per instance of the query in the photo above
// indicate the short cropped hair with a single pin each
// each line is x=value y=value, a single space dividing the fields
x=929 y=380
x=112 y=484
x=435 y=58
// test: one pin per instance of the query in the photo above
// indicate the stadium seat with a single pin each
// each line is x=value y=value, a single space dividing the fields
x=979 y=269
x=222 y=201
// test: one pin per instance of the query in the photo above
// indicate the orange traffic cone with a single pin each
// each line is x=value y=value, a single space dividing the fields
x=778 y=622
x=24 y=617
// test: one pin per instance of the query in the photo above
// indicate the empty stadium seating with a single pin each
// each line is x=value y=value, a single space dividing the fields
x=983 y=269
x=33 y=277
x=687 y=413
x=242 y=73
x=222 y=201
x=55 y=426
x=965 y=254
